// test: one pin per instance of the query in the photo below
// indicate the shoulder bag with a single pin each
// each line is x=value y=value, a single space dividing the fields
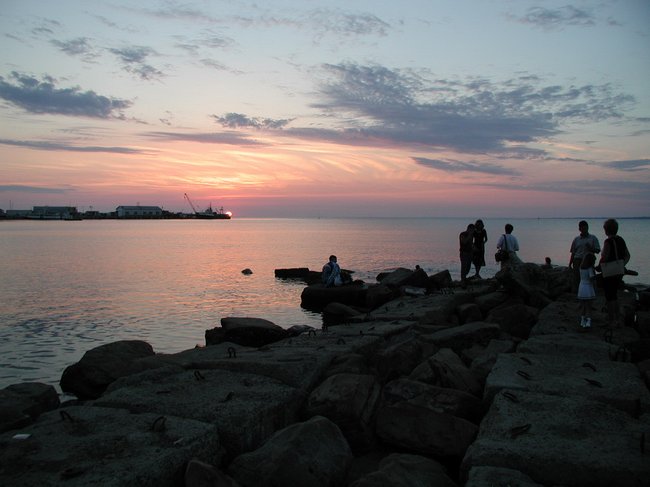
x=614 y=267
x=502 y=254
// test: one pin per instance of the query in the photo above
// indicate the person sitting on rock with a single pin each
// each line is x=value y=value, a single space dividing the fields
x=332 y=273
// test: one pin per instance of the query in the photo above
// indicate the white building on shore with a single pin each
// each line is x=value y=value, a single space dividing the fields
x=139 y=212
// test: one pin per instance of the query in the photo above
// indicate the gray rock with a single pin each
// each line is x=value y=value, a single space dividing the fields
x=468 y=313
x=439 y=280
x=21 y=404
x=309 y=454
x=349 y=400
x=345 y=397
x=292 y=273
x=245 y=331
x=296 y=330
x=440 y=399
x=349 y=363
x=397 y=278
x=527 y=281
x=424 y=430
x=399 y=356
x=316 y=296
x=588 y=347
x=378 y=295
x=517 y=319
x=458 y=338
x=498 y=477
x=615 y=383
x=247 y=408
x=561 y=441
x=88 y=378
x=201 y=474
x=487 y=302
x=482 y=364
x=446 y=369
x=441 y=309
x=402 y=470
x=81 y=446
x=339 y=311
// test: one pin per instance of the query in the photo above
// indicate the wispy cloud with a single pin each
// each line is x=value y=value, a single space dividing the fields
x=604 y=187
x=320 y=22
x=33 y=189
x=79 y=47
x=228 y=138
x=57 y=146
x=630 y=166
x=327 y=21
x=238 y=120
x=134 y=61
x=557 y=18
x=461 y=166
x=42 y=96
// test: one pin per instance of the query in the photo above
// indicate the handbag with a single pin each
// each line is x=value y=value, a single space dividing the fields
x=614 y=267
x=502 y=254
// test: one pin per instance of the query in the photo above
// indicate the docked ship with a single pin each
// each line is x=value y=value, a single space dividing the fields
x=209 y=213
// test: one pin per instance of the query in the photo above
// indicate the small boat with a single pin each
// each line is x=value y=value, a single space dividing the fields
x=209 y=213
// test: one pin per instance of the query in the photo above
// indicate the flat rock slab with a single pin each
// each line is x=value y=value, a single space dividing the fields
x=498 y=477
x=586 y=345
x=618 y=384
x=563 y=317
x=561 y=441
x=246 y=408
x=429 y=309
x=82 y=445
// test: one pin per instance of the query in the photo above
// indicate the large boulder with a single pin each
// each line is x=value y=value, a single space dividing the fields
x=247 y=332
x=309 y=454
x=439 y=280
x=615 y=383
x=556 y=440
x=482 y=476
x=21 y=404
x=425 y=430
x=89 y=378
x=349 y=400
x=377 y=295
x=458 y=338
x=446 y=369
x=316 y=296
x=517 y=319
x=293 y=273
x=488 y=301
x=529 y=282
x=400 y=355
x=80 y=446
x=440 y=399
x=403 y=470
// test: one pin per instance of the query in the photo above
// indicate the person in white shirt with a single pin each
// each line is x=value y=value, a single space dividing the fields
x=583 y=244
x=508 y=242
x=332 y=273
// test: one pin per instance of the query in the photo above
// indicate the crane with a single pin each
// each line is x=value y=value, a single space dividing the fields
x=190 y=202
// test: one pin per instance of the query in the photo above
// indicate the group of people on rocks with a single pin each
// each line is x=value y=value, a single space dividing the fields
x=584 y=247
x=472 y=249
x=613 y=258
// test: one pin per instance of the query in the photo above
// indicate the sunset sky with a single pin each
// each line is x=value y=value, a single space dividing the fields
x=309 y=108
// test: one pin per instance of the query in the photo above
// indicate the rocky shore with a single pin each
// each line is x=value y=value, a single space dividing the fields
x=413 y=381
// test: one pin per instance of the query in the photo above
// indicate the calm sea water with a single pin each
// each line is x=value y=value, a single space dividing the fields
x=66 y=287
